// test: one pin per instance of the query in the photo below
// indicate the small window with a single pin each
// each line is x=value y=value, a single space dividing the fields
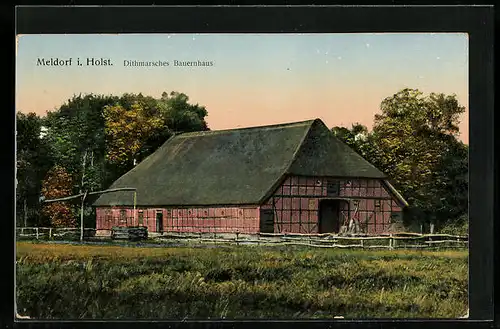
x=332 y=188
x=318 y=182
x=377 y=204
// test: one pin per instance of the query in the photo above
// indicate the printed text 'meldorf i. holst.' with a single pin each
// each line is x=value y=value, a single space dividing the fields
x=100 y=61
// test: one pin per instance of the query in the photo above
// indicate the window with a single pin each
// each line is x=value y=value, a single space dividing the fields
x=141 y=217
x=123 y=216
x=332 y=188
x=377 y=204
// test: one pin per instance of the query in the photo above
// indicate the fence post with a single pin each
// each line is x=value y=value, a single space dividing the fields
x=36 y=233
x=50 y=233
x=237 y=236
x=362 y=244
x=390 y=241
x=22 y=230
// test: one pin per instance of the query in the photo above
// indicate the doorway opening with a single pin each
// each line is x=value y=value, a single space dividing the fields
x=159 y=222
x=329 y=215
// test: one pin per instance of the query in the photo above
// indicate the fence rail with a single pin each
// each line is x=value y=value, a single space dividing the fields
x=326 y=240
x=51 y=232
x=384 y=241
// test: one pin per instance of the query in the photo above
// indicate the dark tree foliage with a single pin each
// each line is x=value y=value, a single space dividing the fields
x=414 y=141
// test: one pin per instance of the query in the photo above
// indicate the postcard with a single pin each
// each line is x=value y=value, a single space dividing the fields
x=242 y=176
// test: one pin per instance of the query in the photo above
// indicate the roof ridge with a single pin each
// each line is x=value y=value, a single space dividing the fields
x=292 y=160
x=302 y=140
x=277 y=125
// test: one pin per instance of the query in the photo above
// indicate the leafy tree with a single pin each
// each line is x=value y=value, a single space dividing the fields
x=137 y=125
x=76 y=133
x=127 y=130
x=354 y=137
x=414 y=141
x=58 y=183
x=411 y=134
x=180 y=116
x=33 y=160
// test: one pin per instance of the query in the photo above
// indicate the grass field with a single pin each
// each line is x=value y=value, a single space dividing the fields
x=112 y=282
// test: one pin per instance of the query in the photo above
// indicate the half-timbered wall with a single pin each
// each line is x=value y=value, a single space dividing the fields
x=296 y=203
x=213 y=219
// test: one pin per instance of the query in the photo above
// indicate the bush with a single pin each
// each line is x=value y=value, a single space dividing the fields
x=459 y=226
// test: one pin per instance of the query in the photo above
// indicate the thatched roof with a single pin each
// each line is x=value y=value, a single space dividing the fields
x=237 y=166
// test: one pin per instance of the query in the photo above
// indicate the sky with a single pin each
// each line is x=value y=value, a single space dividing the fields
x=255 y=79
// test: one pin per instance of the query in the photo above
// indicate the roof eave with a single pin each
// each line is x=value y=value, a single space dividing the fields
x=395 y=192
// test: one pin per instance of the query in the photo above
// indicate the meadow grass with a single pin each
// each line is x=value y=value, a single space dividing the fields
x=66 y=281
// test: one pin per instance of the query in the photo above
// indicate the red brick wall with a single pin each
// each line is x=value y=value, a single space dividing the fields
x=296 y=204
x=196 y=219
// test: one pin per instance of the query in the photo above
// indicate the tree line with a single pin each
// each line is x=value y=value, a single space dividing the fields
x=88 y=143
x=91 y=140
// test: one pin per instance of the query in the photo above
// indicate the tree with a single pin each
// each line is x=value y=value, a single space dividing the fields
x=57 y=184
x=355 y=137
x=180 y=116
x=76 y=133
x=410 y=138
x=414 y=141
x=137 y=125
x=33 y=160
x=127 y=129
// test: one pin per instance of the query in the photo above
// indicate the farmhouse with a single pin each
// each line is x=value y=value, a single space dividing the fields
x=295 y=177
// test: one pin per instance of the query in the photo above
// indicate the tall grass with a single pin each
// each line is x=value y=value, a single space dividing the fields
x=111 y=282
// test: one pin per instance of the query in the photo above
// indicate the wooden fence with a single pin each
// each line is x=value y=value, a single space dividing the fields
x=327 y=240
x=383 y=241
x=50 y=233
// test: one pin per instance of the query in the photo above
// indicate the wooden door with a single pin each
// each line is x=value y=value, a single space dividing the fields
x=267 y=221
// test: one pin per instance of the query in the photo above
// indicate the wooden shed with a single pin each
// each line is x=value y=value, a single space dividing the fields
x=295 y=177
